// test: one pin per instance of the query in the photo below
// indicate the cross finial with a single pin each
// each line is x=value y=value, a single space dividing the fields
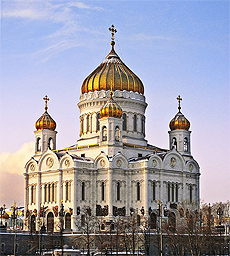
x=46 y=99
x=179 y=100
x=113 y=31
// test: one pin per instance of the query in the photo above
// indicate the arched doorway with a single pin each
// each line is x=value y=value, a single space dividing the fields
x=153 y=220
x=33 y=224
x=68 y=221
x=172 y=221
x=50 y=222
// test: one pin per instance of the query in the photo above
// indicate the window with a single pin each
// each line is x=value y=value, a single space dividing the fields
x=154 y=191
x=98 y=123
x=82 y=125
x=2 y=247
x=53 y=192
x=49 y=193
x=186 y=144
x=174 y=143
x=82 y=220
x=168 y=192
x=45 y=193
x=138 y=220
x=138 y=191
x=172 y=192
x=118 y=191
x=32 y=194
x=117 y=134
x=190 y=194
x=135 y=123
x=87 y=123
x=102 y=191
x=104 y=134
x=143 y=124
x=67 y=189
x=177 y=190
x=38 y=144
x=50 y=144
x=124 y=122
x=83 y=191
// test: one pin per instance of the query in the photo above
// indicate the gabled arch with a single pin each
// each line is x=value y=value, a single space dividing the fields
x=66 y=161
x=30 y=164
x=196 y=167
x=42 y=161
x=101 y=161
x=179 y=164
x=123 y=163
x=155 y=164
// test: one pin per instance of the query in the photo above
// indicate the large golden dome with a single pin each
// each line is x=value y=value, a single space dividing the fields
x=45 y=121
x=111 y=109
x=179 y=122
x=112 y=74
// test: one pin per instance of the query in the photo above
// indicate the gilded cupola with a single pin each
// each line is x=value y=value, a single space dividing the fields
x=45 y=121
x=112 y=74
x=111 y=109
x=179 y=122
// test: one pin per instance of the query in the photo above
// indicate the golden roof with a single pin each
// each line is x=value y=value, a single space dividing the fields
x=179 y=122
x=111 y=109
x=112 y=74
x=45 y=121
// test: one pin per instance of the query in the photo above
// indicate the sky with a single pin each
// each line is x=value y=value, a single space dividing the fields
x=175 y=48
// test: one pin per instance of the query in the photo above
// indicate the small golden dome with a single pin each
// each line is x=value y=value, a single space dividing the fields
x=179 y=122
x=111 y=109
x=45 y=121
x=112 y=74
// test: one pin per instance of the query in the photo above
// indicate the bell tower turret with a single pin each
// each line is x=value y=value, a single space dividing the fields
x=45 y=136
x=179 y=136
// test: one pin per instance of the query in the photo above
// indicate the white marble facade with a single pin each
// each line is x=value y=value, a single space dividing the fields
x=111 y=176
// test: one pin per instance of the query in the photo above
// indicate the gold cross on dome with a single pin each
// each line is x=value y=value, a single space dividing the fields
x=46 y=99
x=113 y=31
x=179 y=100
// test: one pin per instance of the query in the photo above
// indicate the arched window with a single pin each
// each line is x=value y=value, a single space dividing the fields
x=83 y=191
x=67 y=191
x=124 y=122
x=172 y=192
x=45 y=193
x=153 y=221
x=138 y=191
x=104 y=133
x=168 y=192
x=117 y=134
x=38 y=144
x=154 y=191
x=138 y=220
x=87 y=123
x=68 y=221
x=50 y=222
x=98 y=123
x=177 y=190
x=33 y=224
x=32 y=194
x=49 y=193
x=143 y=124
x=82 y=125
x=102 y=191
x=186 y=144
x=51 y=144
x=118 y=191
x=174 y=143
x=53 y=192
x=135 y=123
x=190 y=194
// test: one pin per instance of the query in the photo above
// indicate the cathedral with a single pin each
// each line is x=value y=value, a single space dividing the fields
x=112 y=170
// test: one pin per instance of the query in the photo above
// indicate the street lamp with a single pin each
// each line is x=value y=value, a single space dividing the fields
x=159 y=208
x=61 y=215
x=2 y=213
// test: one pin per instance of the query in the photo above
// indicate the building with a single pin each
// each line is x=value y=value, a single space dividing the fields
x=112 y=169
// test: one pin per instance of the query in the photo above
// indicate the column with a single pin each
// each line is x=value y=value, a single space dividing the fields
x=110 y=192
x=74 y=201
x=146 y=189
x=26 y=199
x=38 y=201
x=128 y=192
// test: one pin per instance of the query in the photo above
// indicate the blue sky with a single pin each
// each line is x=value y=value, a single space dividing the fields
x=175 y=47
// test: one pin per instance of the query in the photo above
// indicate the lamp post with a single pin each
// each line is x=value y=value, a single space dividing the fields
x=14 y=221
x=61 y=215
x=159 y=208
x=2 y=213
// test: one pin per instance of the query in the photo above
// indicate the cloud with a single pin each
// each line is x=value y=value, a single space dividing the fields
x=11 y=174
x=14 y=162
